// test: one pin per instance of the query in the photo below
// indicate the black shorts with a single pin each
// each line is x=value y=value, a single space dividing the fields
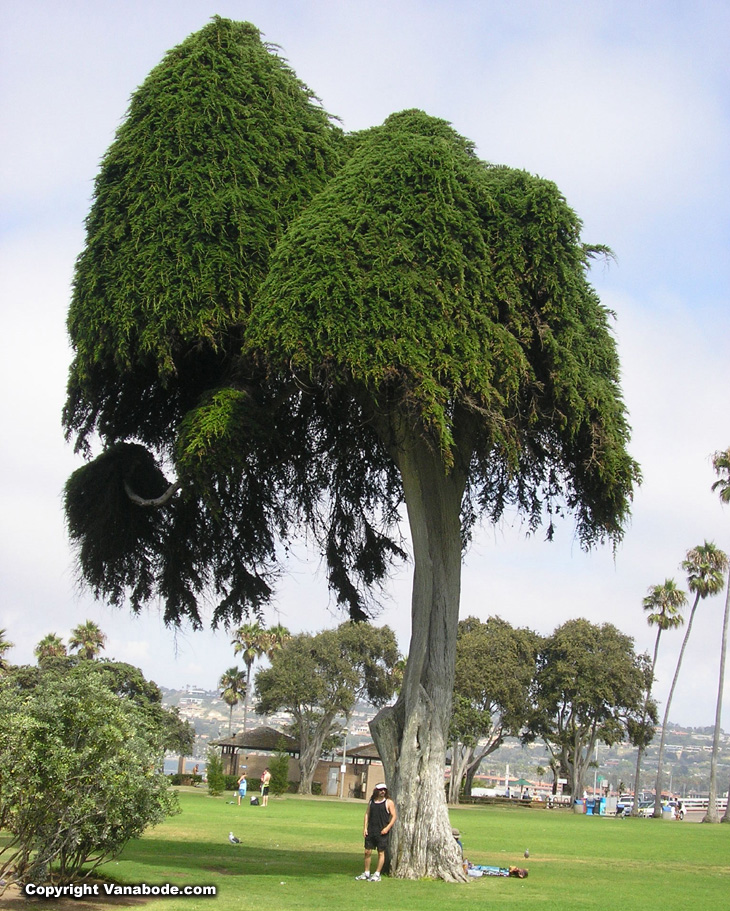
x=264 y=790
x=376 y=842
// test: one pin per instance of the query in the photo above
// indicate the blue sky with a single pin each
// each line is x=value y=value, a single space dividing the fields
x=625 y=106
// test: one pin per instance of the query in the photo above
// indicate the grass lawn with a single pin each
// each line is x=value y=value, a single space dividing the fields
x=305 y=853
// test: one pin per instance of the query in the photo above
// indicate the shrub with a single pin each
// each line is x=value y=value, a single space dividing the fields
x=216 y=778
x=103 y=754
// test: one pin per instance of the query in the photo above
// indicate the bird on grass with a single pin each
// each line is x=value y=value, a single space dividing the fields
x=233 y=840
x=527 y=853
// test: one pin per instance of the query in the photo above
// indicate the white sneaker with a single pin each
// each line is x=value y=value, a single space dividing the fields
x=375 y=878
x=363 y=876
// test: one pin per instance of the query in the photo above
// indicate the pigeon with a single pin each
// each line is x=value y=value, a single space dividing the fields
x=527 y=853
x=233 y=840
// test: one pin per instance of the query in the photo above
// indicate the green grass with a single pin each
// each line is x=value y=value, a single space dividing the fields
x=304 y=854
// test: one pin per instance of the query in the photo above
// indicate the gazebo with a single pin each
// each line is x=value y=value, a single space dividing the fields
x=259 y=740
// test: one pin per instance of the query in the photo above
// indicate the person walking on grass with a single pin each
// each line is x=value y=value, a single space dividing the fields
x=380 y=818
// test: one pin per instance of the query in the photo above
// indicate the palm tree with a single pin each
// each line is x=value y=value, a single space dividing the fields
x=232 y=685
x=664 y=604
x=87 y=639
x=721 y=464
x=250 y=642
x=50 y=646
x=276 y=636
x=704 y=565
x=5 y=646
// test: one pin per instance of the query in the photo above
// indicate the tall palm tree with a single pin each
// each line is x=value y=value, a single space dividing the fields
x=250 y=641
x=232 y=686
x=5 y=646
x=87 y=639
x=663 y=604
x=721 y=464
x=705 y=566
x=50 y=646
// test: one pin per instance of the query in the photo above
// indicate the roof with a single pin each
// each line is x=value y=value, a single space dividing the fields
x=366 y=751
x=262 y=738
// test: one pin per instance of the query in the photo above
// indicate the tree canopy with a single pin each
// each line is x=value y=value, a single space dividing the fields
x=318 y=679
x=495 y=668
x=305 y=330
x=590 y=688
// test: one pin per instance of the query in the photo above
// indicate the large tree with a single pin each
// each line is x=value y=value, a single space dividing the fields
x=590 y=688
x=495 y=667
x=309 y=331
x=318 y=679
x=663 y=605
x=704 y=565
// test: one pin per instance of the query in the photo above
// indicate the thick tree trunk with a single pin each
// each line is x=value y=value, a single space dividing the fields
x=412 y=735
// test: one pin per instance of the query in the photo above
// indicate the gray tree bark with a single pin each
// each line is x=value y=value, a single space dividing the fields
x=412 y=735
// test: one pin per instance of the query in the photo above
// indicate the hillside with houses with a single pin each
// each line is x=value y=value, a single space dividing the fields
x=687 y=754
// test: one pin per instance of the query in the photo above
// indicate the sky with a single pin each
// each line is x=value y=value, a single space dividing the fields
x=625 y=106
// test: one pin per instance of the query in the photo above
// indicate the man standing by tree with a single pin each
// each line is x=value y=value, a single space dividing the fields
x=380 y=818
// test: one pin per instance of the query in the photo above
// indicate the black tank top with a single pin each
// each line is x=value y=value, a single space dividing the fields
x=378 y=818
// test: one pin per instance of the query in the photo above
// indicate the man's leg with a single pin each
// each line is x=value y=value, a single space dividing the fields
x=381 y=860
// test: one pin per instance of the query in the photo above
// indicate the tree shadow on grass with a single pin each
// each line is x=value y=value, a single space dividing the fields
x=199 y=862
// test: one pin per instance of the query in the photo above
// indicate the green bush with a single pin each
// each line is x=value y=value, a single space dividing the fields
x=103 y=755
x=216 y=778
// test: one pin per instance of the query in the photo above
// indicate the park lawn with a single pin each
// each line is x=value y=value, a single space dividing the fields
x=302 y=854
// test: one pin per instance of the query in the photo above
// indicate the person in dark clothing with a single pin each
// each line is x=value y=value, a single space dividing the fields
x=380 y=818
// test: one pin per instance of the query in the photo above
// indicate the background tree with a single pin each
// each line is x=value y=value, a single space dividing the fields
x=87 y=640
x=275 y=638
x=250 y=642
x=721 y=464
x=424 y=332
x=5 y=646
x=232 y=685
x=319 y=678
x=589 y=685
x=50 y=646
x=71 y=728
x=214 y=772
x=279 y=768
x=495 y=667
x=704 y=565
x=663 y=605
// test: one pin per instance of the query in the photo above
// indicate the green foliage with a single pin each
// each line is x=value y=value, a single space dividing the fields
x=80 y=774
x=428 y=283
x=495 y=668
x=214 y=772
x=279 y=768
x=221 y=146
x=318 y=678
x=590 y=688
